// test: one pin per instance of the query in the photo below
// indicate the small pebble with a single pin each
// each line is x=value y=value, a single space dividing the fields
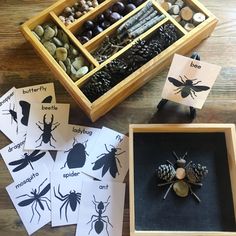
x=82 y=71
x=57 y=42
x=36 y=35
x=51 y=47
x=67 y=63
x=62 y=65
x=73 y=70
x=181 y=189
x=61 y=54
x=49 y=33
x=78 y=63
x=39 y=30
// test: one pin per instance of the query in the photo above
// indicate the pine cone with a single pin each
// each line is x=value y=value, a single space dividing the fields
x=195 y=173
x=167 y=34
x=156 y=47
x=116 y=66
x=166 y=172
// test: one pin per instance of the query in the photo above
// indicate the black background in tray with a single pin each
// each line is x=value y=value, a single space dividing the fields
x=214 y=213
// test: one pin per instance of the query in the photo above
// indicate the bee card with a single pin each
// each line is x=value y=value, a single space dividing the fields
x=8 y=116
x=101 y=209
x=77 y=149
x=21 y=163
x=42 y=93
x=48 y=126
x=108 y=160
x=189 y=81
x=31 y=198
x=66 y=188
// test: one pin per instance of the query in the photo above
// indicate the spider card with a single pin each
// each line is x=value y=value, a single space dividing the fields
x=189 y=81
x=108 y=160
x=21 y=163
x=101 y=209
x=65 y=196
x=77 y=149
x=8 y=115
x=31 y=198
x=48 y=126
x=43 y=93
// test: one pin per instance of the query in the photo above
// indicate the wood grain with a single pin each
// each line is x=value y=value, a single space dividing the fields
x=20 y=66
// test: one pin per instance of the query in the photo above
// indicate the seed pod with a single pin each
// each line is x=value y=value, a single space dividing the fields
x=196 y=172
x=166 y=172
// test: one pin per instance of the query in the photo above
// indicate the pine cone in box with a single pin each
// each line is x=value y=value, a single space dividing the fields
x=196 y=172
x=167 y=34
x=166 y=172
x=116 y=66
x=156 y=47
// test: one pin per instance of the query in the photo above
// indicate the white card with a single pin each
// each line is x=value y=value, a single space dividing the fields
x=66 y=188
x=189 y=81
x=77 y=150
x=48 y=126
x=31 y=198
x=8 y=115
x=101 y=209
x=42 y=93
x=21 y=163
x=108 y=160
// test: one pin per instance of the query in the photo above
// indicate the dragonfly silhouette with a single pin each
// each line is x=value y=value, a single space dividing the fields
x=26 y=160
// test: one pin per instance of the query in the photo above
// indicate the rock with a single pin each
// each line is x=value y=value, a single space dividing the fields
x=57 y=42
x=73 y=70
x=78 y=63
x=62 y=18
x=74 y=51
x=82 y=71
x=67 y=63
x=61 y=54
x=39 y=30
x=62 y=65
x=78 y=14
x=51 y=47
x=49 y=33
x=181 y=189
x=67 y=46
x=62 y=36
x=36 y=35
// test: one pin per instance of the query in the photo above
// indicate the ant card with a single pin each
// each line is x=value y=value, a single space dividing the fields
x=21 y=163
x=31 y=198
x=108 y=160
x=48 y=126
x=66 y=188
x=43 y=93
x=8 y=116
x=101 y=209
x=189 y=81
x=77 y=149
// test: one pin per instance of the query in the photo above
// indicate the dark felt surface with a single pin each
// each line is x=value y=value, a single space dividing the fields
x=214 y=213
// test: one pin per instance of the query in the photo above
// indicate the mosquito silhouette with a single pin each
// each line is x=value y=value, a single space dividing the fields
x=26 y=160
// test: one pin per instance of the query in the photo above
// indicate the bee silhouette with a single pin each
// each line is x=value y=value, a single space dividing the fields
x=187 y=87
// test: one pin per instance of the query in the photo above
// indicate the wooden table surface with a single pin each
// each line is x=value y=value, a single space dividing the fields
x=20 y=67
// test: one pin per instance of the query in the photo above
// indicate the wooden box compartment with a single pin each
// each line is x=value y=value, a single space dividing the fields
x=212 y=145
x=97 y=108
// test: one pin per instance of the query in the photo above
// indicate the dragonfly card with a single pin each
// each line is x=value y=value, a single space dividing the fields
x=189 y=81
x=48 y=126
x=21 y=163
x=43 y=93
x=108 y=160
x=101 y=209
x=66 y=196
x=77 y=149
x=31 y=198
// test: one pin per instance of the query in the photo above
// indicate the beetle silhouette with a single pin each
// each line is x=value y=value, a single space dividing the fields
x=76 y=157
x=47 y=129
x=13 y=115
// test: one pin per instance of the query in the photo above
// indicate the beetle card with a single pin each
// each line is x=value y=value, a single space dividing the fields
x=8 y=115
x=108 y=160
x=189 y=81
x=31 y=198
x=101 y=209
x=21 y=163
x=43 y=93
x=66 y=196
x=77 y=149
x=48 y=126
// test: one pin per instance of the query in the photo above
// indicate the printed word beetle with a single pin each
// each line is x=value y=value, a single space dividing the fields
x=98 y=221
x=76 y=157
x=72 y=198
x=107 y=161
x=188 y=87
x=36 y=198
x=47 y=129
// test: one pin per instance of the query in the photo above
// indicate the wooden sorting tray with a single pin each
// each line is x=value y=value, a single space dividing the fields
x=96 y=109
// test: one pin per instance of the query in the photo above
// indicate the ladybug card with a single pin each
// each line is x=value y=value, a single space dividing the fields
x=20 y=162
x=108 y=160
x=189 y=81
x=77 y=149
x=101 y=209
x=48 y=126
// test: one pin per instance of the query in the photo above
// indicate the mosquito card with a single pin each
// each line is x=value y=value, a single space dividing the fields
x=77 y=149
x=43 y=93
x=31 y=198
x=101 y=209
x=21 y=163
x=108 y=160
x=189 y=81
x=8 y=115
x=48 y=126
x=66 y=196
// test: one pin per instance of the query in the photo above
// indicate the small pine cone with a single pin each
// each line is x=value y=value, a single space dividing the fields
x=116 y=66
x=168 y=34
x=156 y=47
x=166 y=172
x=195 y=173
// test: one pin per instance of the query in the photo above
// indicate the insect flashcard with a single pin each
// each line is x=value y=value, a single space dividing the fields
x=13 y=115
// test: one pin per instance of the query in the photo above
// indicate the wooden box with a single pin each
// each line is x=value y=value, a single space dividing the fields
x=212 y=145
x=97 y=108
